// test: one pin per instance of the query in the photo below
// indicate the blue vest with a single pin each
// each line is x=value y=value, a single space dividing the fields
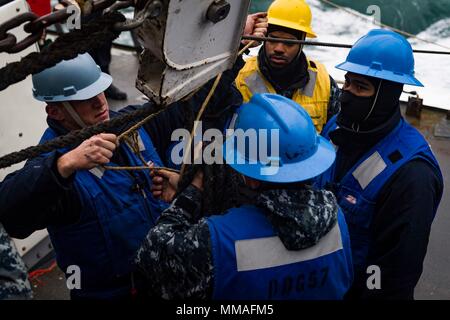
x=170 y=150
x=115 y=218
x=251 y=263
x=358 y=191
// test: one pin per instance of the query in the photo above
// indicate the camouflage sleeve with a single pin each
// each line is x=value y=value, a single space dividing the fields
x=13 y=274
x=176 y=255
x=334 y=106
x=301 y=217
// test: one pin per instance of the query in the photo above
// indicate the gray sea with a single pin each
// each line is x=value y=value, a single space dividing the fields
x=422 y=19
x=425 y=19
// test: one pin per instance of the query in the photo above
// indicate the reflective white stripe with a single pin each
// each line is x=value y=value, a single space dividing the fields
x=98 y=172
x=141 y=143
x=308 y=90
x=256 y=84
x=255 y=254
x=369 y=169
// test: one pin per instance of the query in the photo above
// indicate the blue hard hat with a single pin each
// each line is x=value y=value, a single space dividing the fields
x=76 y=79
x=382 y=54
x=296 y=153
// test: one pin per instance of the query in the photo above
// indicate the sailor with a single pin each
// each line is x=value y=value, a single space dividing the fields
x=284 y=69
x=289 y=241
x=386 y=178
x=14 y=284
x=96 y=218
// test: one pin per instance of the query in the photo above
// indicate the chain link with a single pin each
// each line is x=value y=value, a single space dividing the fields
x=7 y=42
x=151 y=10
x=6 y=38
x=35 y=25
x=47 y=20
x=119 y=5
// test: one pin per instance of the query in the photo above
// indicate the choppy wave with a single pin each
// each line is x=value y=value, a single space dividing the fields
x=413 y=16
x=333 y=25
x=434 y=70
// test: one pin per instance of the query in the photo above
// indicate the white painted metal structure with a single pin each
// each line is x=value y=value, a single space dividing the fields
x=184 y=49
x=22 y=122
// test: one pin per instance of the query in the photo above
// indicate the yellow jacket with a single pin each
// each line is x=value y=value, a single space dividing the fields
x=314 y=97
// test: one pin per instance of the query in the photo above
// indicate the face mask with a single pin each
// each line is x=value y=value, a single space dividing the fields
x=356 y=110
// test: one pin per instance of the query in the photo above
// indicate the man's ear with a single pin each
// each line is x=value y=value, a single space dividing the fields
x=54 y=112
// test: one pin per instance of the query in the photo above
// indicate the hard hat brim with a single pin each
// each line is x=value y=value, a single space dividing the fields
x=303 y=170
x=286 y=24
x=380 y=74
x=99 y=86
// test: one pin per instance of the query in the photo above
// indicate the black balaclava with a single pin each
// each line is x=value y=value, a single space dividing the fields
x=361 y=126
x=360 y=114
x=364 y=121
x=291 y=77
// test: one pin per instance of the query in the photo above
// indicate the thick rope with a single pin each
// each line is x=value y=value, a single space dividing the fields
x=221 y=183
x=133 y=143
x=199 y=115
x=203 y=108
x=91 y=36
x=139 y=124
x=76 y=137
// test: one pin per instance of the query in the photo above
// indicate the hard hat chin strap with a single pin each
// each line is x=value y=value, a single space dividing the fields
x=374 y=102
x=355 y=127
x=73 y=114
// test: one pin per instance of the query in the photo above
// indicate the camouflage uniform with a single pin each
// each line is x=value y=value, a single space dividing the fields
x=13 y=274
x=176 y=255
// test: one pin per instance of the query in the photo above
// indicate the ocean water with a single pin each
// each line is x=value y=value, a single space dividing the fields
x=339 y=26
x=427 y=19
x=413 y=16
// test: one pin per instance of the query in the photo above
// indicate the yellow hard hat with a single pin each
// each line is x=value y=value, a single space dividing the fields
x=293 y=14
